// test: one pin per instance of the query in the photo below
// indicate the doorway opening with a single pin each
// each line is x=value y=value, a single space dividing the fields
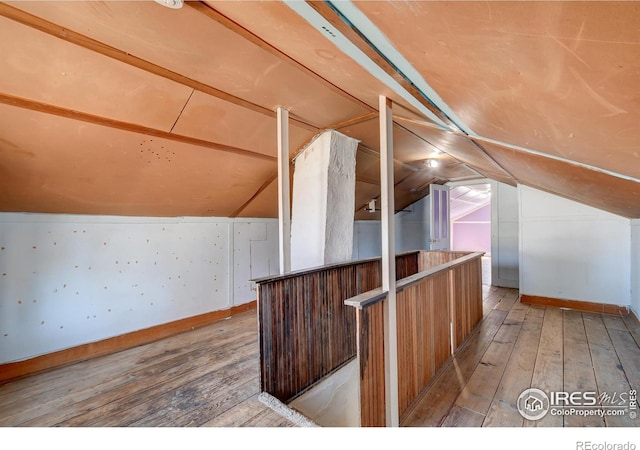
x=470 y=216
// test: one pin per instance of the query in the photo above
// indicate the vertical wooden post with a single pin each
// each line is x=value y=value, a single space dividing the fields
x=388 y=261
x=284 y=194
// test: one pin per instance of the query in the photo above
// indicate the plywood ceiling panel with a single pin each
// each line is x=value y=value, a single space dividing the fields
x=368 y=167
x=40 y=67
x=188 y=42
x=283 y=28
x=216 y=120
x=132 y=108
x=407 y=146
x=558 y=77
x=463 y=150
x=56 y=165
x=265 y=204
x=598 y=189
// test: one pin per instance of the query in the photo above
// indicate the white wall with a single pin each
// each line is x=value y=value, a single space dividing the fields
x=504 y=235
x=68 y=280
x=635 y=266
x=411 y=232
x=572 y=251
x=412 y=228
x=367 y=239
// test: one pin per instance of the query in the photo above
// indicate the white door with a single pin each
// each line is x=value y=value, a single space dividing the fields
x=439 y=217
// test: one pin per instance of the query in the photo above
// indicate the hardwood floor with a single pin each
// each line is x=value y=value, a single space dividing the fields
x=209 y=376
x=206 y=377
x=519 y=346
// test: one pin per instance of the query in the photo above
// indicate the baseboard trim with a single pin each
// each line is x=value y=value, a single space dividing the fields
x=603 y=308
x=13 y=370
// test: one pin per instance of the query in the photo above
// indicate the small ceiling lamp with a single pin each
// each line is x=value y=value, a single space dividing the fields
x=173 y=4
x=431 y=163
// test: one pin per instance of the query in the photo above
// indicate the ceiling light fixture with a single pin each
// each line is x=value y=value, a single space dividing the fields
x=431 y=163
x=173 y=4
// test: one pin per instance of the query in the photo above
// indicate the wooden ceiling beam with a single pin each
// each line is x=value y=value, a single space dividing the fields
x=261 y=189
x=88 y=43
x=354 y=121
x=126 y=126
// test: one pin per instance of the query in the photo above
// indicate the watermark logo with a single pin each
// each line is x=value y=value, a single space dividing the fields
x=589 y=445
x=534 y=404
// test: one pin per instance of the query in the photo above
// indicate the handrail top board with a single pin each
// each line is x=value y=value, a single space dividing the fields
x=366 y=298
x=297 y=273
x=371 y=297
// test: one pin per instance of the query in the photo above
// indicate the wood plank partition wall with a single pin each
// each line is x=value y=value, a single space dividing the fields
x=306 y=331
x=466 y=299
x=370 y=323
x=424 y=338
x=430 y=304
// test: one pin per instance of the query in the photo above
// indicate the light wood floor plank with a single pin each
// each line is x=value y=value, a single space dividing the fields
x=614 y=322
x=548 y=371
x=479 y=391
x=536 y=310
x=176 y=393
x=510 y=299
x=84 y=376
x=517 y=376
x=610 y=375
x=578 y=368
x=628 y=352
x=491 y=299
x=129 y=379
x=633 y=325
x=135 y=383
x=460 y=416
x=143 y=352
x=267 y=418
x=195 y=403
x=238 y=414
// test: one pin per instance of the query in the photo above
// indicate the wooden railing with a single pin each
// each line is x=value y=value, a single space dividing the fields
x=306 y=331
x=436 y=310
x=431 y=259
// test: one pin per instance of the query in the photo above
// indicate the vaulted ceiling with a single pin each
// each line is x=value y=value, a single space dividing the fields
x=133 y=108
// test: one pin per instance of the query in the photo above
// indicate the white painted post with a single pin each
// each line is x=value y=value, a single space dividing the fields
x=388 y=261
x=284 y=194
